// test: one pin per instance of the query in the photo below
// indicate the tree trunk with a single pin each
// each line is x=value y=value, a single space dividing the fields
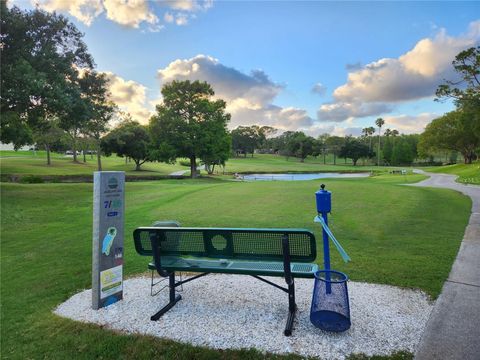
x=84 y=156
x=354 y=162
x=193 y=166
x=378 y=157
x=99 y=161
x=74 y=148
x=324 y=157
x=302 y=159
x=334 y=158
x=137 y=165
x=47 y=148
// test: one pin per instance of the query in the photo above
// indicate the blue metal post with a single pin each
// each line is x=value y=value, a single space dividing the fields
x=324 y=206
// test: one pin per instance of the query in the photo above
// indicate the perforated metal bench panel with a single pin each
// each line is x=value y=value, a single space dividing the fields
x=299 y=270
x=227 y=243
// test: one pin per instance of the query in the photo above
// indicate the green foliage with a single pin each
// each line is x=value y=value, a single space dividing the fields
x=41 y=53
x=294 y=143
x=400 y=150
x=466 y=91
x=334 y=144
x=354 y=149
x=189 y=124
x=129 y=139
x=246 y=139
x=456 y=131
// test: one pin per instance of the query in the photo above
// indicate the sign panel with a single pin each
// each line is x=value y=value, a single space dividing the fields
x=108 y=234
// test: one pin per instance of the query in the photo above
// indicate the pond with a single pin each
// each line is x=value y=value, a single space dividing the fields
x=290 y=177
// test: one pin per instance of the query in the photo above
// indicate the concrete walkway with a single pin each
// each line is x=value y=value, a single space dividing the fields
x=453 y=329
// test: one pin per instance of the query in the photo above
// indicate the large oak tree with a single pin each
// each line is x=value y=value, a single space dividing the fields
x=189 y=123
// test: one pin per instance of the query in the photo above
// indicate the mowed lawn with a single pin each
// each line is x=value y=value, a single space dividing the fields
x=25 y=163
x=395 y=234
x=467 y=173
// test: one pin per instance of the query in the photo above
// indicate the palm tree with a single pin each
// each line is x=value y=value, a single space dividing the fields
x=387 y=132
x=379 y=122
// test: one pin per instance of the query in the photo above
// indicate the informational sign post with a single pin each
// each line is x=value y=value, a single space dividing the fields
x=108 y=233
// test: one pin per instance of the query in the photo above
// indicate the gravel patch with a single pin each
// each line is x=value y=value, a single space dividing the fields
x=234 y=312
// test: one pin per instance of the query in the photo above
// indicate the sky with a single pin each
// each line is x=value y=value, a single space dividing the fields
x=317 y=67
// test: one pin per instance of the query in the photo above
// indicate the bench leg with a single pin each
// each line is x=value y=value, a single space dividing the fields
x=173 y=298
x=292 y=308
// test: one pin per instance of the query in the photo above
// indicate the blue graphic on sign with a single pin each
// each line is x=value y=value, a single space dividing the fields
x=108 y=240
x=111 y=300
x=112 y=183
x=112 y=213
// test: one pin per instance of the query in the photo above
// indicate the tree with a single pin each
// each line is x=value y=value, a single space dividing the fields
x=467 y=89
x=334 y=144
x=320 y=146
x=300 y=145
x=379 y=122
x=41 y=54
x=189 y=124
x=404 y=151
x=244 y=140
x=453 y=131
x=100 y=108
x=354 y=149
x=129 y=139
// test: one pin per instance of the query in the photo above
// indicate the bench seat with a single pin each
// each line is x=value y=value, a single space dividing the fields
x=287 y=253
x=299 y=270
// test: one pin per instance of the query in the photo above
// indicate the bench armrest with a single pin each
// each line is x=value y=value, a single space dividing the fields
x=286 y=260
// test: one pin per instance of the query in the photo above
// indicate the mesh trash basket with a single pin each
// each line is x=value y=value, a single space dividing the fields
x=330 y=309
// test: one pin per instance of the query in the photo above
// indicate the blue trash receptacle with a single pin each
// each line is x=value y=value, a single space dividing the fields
x=330 y=310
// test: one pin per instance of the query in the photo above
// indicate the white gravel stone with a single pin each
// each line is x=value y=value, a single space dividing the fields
x=234 y=312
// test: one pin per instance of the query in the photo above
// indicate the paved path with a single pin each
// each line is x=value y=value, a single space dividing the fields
x=179 y=173
x=453 y=329
x=182 y=172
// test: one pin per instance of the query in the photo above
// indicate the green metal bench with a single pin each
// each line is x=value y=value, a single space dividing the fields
x=287 y=253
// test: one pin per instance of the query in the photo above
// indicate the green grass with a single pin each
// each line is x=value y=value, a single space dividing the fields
x=275 y=163
x=467 y=173
x=395 y=234
x=25 y=163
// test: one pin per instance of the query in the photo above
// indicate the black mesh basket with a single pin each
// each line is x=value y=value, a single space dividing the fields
x=330 y=309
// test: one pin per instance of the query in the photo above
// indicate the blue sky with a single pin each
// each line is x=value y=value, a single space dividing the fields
x=365 y=59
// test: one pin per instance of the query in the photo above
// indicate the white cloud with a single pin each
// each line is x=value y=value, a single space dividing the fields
x=130 y=13
x=249 y=97
x=168 y=17
x=319 y=89
x=408 y=124
x=414 y=75
x=130 y=97
x=189 y=5
x=84 y=10
x=344 y=111
x=181 y=19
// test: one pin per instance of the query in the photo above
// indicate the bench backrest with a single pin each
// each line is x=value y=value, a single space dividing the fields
x=227 y=243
